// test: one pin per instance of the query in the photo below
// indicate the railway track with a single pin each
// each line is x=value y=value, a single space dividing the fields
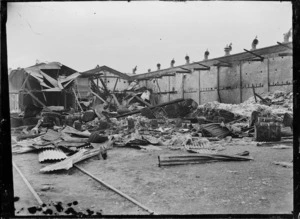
x=88 y=174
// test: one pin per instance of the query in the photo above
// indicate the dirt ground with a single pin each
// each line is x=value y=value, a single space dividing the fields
x=247 y=187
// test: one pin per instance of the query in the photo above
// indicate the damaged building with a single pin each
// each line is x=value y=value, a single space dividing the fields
x=132 y=129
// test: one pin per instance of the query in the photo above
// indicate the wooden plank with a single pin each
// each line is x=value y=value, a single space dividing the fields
x=152 y=107
x=261 y=58
x=115 y=190
x=141 y=100
x=104 y=86
x=77 y=100
x=98 y=96
x=36 y=99
x=254 y=93
x=116 y=100
x=115 y=85
x=28 y=184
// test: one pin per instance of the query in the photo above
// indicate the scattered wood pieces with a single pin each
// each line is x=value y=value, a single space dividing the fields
x=68 y=138
x=268 y=144
x=72 y=144
x=215 y=130
x=26 y=136
x=51 y=135
x=281 y=147
x=70 y=130
x=283 y=164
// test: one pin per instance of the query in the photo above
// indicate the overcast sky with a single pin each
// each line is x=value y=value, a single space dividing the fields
x=122 y=35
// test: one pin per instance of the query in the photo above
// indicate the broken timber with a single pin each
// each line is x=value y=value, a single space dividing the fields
x=169 y=160
x=115 y=190
x=28 y=184
x=205 y=67
x=152 y=107
x=260 y=58
x=223 y=64
x=256 y=95
x=286 y=46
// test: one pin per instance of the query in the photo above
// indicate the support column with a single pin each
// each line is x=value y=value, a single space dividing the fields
x=241 y=83
x=268 y=75
x=182 y=86
x=169 y=89
x=218 y=83
x=199 y=88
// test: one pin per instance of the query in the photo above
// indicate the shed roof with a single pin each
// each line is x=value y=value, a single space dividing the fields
x=229 y=59
x=98 y=71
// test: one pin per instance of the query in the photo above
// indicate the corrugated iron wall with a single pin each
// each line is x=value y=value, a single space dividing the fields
x=234 y=83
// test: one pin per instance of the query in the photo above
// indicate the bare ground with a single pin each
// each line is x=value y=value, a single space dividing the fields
x=248 y=187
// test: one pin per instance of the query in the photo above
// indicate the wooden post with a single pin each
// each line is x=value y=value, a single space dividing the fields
x=115 y=85
x=241 y=84
x=65 y=99
x=268 y=75
x=104 y=86
x=254 y=93
x=218 y=83
x=77 y=100
x=98 y=96
x=182 y=86
x=199 y=87
x=158 y=87
x=35 y=98
x=169 y=89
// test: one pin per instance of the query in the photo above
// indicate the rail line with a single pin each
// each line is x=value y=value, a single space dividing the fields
x=110 y=187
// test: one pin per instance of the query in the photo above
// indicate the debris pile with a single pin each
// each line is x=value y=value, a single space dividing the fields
x=179 y=125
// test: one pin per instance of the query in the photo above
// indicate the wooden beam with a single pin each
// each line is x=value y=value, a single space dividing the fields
x=222 y=65
x=262 y=58
x=141 y=100
x=98 y=97
x=152 y=107
x=158 y=86
x=104 y=86
x=77 y=100
x=286 y=46
x=96 y=87
x=35 y=98
x=254 y=93
x=201 y=69
x=25 y=82
x=115 y=85
x=28 y=184
x=202 y=65
x=285 y=54
x=218 y=84
x=186 y=72
x=185 y=69
x=116 y=100
x=115 y=190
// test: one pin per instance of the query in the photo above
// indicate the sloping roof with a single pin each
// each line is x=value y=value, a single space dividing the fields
x=229 y=58
x=97 y=71
x=18 y=76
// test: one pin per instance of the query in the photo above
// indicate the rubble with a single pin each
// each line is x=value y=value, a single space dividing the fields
x=70 y=161
x=51 y=154
x=203 y=131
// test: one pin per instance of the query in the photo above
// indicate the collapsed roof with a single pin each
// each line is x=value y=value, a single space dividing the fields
x=52 y=76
